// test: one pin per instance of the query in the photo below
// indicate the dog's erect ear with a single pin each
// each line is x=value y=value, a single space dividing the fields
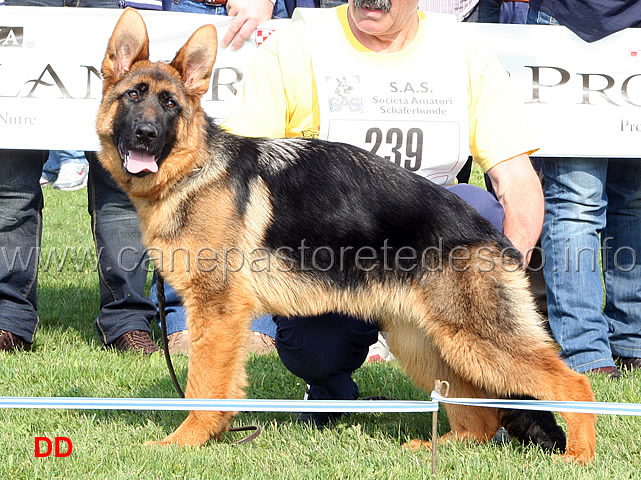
x=195 y=60
x=128 y=44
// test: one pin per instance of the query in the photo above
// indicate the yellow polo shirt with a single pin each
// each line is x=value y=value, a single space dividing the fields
x=278 y=97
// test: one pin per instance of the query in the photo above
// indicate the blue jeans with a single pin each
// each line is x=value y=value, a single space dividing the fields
x=64 y=3
x=20 y=234
x=58 y=157
x=535 y=17
x=514 y=12
x=593 y=209
x=122 y=265
x=488 y=11
x=114 y=223
x=190 y=6
x=592 y=204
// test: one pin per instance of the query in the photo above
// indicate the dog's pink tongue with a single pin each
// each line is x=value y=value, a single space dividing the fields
x=141 y=162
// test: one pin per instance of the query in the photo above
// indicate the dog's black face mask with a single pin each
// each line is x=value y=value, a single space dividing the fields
x=144 y=133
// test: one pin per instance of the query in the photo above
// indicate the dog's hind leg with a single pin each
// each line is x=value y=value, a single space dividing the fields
x=554 y=380
x=499 y=345
x=422 y=361
x=218 y=332
x=538 y=372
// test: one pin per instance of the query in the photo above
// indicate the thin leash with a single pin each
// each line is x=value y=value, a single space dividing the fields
x=160 y=287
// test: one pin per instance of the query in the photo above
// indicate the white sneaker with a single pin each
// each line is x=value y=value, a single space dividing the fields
x=72 y=176
x=47 y=179
x=379 y=352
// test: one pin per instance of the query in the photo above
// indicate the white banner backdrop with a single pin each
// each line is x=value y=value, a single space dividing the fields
x=50 y=60
x=582 y=99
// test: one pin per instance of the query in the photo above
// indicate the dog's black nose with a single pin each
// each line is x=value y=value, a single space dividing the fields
x=146 y=132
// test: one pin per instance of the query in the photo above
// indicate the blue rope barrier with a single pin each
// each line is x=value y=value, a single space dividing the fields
x=228 y=405
x=610 y=408
x=265 y=405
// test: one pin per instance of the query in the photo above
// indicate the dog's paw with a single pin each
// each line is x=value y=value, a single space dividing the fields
x=166 y=442
x=160 y=443
x=583 y=459
x=184 y=437
x=417 y=443
x=153 y=443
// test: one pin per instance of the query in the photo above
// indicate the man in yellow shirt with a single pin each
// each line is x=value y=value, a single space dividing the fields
x=382 y=75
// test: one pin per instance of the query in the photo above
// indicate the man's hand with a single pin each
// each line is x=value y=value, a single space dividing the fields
x=249 y=14
x=519 y=191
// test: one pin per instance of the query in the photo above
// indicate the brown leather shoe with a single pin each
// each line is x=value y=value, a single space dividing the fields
x=137 y=341
x=628 y=363
x=9 y=342
x=613 y=373
x=261 y=344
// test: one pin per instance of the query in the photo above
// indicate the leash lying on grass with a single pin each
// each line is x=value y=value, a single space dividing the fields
x=160 y=286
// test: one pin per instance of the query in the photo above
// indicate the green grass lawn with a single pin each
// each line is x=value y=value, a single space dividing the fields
x=68 y=360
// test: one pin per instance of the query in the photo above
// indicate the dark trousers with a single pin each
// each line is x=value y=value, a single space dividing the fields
x=121 y=256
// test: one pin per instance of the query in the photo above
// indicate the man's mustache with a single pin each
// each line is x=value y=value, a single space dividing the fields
x=384 y=5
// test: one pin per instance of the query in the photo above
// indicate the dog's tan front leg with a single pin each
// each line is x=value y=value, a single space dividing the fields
x=216 y=370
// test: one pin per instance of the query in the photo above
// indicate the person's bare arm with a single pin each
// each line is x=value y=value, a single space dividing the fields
x=249 y=14
x=519 y=191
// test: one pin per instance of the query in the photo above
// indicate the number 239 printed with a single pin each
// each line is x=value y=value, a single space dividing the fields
x=406 y=148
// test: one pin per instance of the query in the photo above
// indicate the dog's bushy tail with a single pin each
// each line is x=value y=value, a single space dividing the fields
x=533 y=427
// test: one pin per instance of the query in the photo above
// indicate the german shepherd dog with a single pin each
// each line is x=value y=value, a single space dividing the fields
x=304 y=227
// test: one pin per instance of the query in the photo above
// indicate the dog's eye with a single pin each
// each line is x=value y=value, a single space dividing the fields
x=133 y=94
x=170 y=104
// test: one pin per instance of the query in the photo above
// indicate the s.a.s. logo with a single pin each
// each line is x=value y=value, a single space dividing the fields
x=11 y=36
x=344 y=92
